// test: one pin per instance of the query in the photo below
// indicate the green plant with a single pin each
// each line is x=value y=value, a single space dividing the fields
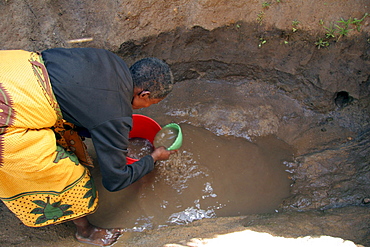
x=343 y=31
x=330 y=32
x=357 y=22
x=262 y=42
x=295 y=24
x=345 y=22
x=342 y=28
x=266 y=4
x=260 y=17
x=321 y=43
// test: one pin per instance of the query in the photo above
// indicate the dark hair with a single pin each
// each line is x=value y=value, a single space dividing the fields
x=153 y=75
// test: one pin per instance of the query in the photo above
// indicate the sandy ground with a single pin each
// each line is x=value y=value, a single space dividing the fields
x=337 y=227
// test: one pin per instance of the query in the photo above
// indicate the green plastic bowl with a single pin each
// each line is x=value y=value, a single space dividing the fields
x=177 y=143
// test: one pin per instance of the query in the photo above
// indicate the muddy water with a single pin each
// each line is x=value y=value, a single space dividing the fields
x=165 y=137
x=139 y=147
x=210 y=176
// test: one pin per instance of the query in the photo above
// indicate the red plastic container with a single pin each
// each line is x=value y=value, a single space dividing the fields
x=142 y=127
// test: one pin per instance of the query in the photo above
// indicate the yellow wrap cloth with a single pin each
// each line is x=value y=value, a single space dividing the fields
x=40 y=181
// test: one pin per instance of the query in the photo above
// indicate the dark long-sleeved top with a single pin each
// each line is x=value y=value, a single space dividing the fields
x=94 y=90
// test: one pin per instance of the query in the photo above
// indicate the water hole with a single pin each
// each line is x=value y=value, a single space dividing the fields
x=210 y=176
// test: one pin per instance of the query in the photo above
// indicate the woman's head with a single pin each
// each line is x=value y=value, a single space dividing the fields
x=152 y=75
x=153 y=81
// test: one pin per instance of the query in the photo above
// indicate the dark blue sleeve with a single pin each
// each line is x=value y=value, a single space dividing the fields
x=110 y=141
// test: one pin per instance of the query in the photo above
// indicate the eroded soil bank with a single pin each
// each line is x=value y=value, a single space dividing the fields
x=246 y=69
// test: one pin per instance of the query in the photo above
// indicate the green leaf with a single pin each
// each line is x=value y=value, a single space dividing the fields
x=91 y=202
x=40 y=203
x=37 y=211
x=56 y=204
x=69 y=212
x=88 y=185
x=64 y=207
x=73 y=158
x=93 y=187
x=41 y=219
x=88 y=194
x=60 y=155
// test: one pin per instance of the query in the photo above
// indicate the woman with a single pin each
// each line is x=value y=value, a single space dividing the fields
x=45 y=99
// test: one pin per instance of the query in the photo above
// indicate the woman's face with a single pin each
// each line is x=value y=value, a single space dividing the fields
x=142 y=100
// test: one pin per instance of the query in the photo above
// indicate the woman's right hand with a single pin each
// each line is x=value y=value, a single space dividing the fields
x=161 y=153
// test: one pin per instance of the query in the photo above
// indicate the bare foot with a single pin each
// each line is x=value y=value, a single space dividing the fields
x=89 y=234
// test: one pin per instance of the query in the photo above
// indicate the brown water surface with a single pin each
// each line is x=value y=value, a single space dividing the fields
x=139 y=147
x=210 y=176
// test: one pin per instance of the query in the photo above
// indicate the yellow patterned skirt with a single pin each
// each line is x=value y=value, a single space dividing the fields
x=40 y=182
